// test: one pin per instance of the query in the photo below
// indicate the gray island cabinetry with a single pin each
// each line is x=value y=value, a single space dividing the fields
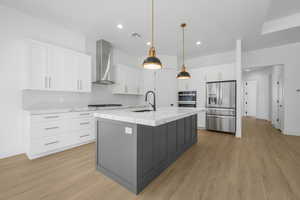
x=134 y=154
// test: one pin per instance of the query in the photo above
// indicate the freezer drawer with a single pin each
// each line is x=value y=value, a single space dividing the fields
x=220 y=123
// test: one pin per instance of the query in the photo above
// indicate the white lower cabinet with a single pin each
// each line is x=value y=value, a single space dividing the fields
x=51 y=133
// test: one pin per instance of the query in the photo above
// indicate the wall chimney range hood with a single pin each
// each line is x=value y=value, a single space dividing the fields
x=103 y=63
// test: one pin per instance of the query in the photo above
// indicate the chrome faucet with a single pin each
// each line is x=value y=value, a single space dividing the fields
x=154 y=102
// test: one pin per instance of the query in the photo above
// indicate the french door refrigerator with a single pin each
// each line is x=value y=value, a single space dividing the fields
x=221 y=106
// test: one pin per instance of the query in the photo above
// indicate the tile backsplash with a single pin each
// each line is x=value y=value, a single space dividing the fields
x=101 y=94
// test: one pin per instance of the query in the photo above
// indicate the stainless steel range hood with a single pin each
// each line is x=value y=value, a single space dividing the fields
x=103 y=63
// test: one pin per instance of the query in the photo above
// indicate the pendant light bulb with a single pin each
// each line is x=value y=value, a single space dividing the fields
x=152 y=62
x=183 y=74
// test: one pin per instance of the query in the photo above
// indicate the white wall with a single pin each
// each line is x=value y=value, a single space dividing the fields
x=211 y=60
x=14 y=28
x=262 y=78
x=288 y=55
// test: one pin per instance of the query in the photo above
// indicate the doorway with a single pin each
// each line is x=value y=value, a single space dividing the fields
x=277 y=97
x=250 y=96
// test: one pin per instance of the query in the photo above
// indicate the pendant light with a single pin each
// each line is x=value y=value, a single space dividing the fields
x=152 y=62
x=183 y=74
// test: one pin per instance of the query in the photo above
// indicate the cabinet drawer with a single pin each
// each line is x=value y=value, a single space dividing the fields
x=47 y=129
x=80 y=124
x=85 y=135
x=46 y=144
x=47 y=118
x=85 y=114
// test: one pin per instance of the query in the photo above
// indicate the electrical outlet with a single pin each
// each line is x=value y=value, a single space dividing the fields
x=128 y=130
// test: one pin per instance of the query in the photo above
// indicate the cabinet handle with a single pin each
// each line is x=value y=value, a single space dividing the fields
x=51 y=117
x=77 y=84
x=50 y=80
x=80 y=84
x=82 y=136
x=46 y=82
x=50 y=128
x=83 y=114
x=84 y=123
x=55 y=142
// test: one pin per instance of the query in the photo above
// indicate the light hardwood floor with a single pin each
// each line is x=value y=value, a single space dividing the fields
x=263 y=165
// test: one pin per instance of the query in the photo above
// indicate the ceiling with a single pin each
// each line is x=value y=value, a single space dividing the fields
x=217 y=24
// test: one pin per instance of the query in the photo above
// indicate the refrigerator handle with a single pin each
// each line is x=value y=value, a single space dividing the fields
x=221 y=94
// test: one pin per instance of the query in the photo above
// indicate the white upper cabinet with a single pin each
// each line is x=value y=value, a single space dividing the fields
x=84 y=72
x=38 y=67
x=57 y=69
x=166 y=87
x=127 y=80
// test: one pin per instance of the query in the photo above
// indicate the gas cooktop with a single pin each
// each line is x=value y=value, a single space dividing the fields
x=105 y=105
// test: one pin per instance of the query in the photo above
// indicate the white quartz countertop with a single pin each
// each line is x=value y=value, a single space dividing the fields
x=161 y=116
x=65 y=109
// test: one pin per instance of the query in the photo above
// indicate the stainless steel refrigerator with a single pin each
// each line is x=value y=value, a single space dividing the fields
x=221 y=106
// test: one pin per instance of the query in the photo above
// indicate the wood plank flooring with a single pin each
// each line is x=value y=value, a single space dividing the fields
x=263 y=165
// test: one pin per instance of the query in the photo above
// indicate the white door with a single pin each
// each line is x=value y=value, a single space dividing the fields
x=277 y=97
x=281 y=103
x=250 y=94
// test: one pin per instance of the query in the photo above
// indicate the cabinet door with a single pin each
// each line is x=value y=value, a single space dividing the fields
x=194 y=129
x=172 y=141
x=38 y=66
x=166 y=87
x=183 y=85
x=180 y=136
x=120 y=83
x=56 y=68
x=70 y=74
x=131 y=80
x=84 y=73
x=149 y=80
x=160 y=147
x=187 y=131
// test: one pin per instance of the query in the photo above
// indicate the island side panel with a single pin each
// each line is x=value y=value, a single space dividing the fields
x=194 y=129
x=117 y=152
x=159 y=147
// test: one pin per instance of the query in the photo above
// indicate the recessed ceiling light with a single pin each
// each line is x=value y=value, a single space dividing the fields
x=120 y=26
x=247 y=70
x=148 y=43
x=198 y=43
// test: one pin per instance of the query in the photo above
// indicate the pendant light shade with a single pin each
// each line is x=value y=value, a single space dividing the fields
x=183 y=74
x=152 y=62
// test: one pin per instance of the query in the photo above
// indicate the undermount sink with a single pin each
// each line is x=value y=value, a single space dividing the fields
x=142 y=110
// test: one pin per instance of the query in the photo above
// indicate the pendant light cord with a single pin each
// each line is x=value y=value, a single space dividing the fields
x=152 y=37
x=183 y=45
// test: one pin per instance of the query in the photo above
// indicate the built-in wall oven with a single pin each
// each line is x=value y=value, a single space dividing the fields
x=187 y=99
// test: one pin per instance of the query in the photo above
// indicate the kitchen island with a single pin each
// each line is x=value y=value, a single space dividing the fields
x=134 y=145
